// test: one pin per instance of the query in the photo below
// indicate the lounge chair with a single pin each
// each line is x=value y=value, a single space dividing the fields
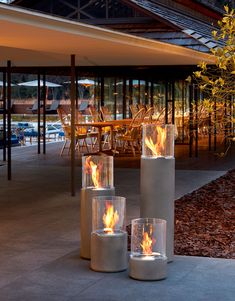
x=83 y=106
x=34 y=108
x=53 y=107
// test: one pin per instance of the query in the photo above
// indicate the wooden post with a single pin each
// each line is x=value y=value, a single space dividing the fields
x=39 y=117
x=9 y=120
x=77 y=93
x=73 y=107
x=44 y=113
x=4 y=117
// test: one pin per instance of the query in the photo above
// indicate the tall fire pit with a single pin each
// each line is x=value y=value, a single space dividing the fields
x=109 y=237
x=148 y=259
x=158 y=178
x=97 y=180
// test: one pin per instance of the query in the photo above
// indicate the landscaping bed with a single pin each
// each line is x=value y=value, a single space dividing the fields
x=205 y=220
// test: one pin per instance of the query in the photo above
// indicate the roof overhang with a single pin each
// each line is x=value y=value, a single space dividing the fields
x=28 y=38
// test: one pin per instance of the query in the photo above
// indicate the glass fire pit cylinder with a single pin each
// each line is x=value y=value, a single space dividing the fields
x=157 y=185
x=158 y=141
x=97 y=180
x=97 y=172
x=148 y=259
x=108 y=238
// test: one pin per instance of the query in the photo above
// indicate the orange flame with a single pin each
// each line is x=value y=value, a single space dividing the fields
x=94 y=170
x=110 y=218
x=147 y=243
x=157 y=148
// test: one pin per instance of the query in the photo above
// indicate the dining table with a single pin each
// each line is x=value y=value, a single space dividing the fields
x=112 y=124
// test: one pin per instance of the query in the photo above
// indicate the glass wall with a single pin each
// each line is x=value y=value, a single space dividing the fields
x=119 y=98
x=182 y=110
x=109 y=100
x=159 y=100
x=117 y=94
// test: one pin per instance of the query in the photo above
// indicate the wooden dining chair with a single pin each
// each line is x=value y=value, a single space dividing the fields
x=91 y=135
x=148 y=115
x=106 y=114
x=67 y=138
x=132 y=137
x=97 y=117
x=80 y=136
x=133 y=109
x=141 y=106
x=65 y=118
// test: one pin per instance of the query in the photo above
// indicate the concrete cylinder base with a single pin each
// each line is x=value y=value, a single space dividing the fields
x=158 y=193
x=148 y=268
x=109 y=252
x=86 y=217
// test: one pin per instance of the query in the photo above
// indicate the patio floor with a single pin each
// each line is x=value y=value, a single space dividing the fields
x=39 y=236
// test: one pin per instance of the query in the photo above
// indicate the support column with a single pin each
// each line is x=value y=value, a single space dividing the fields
x=44 y=114
x=9 y=120
x=73 y=108
x=4 y=117
x=39 y=116
x=77 y=92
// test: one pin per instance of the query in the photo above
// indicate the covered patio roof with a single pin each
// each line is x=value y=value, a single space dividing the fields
x=29 y=38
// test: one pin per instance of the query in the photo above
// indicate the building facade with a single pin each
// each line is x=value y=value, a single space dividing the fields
x=179 y=22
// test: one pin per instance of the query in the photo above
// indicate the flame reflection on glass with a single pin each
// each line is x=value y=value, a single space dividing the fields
x=158 y=147
x=110 y=218
x=95 y=171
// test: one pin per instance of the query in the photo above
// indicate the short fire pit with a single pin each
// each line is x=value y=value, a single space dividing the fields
x=108 y=238
x=158 y=178
x=97 y=180
x=148 y=259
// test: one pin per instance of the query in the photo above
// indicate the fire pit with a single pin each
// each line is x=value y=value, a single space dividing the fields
x=158 y=178
x=108 y=238
x=97 y=180
x=148 y=259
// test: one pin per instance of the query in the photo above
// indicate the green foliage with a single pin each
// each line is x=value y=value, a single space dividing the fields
x=217 y=82
x=219 y=79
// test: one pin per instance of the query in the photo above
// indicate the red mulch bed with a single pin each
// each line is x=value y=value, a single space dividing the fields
x=205 y=220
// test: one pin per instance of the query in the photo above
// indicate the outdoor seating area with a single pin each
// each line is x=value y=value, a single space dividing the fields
x=100 y=132
x=120 y=136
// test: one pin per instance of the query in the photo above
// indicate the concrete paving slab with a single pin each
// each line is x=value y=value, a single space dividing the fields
x=189 y=278
x=39 y=240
